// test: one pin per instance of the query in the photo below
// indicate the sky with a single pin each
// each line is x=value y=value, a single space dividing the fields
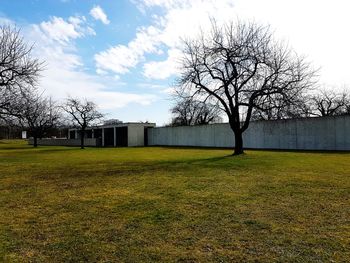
x=123 y=54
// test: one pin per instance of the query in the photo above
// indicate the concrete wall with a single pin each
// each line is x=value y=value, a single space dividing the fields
x=325 y=133
x=66 y=142
x=136 y=134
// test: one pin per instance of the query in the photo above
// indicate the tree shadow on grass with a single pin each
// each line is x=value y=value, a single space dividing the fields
x=38 y=150
x=220 y=162
x=301 y=151
x=191 y=147
x=47 y=149
x=254 y=150
x=15 y=148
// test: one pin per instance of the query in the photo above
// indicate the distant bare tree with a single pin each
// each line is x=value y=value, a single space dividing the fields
x=190 y=112
x=347 y=107
x=38 y=114
x=19 y=71
x=244 y=69
x=82 y=114
x=112 y=122
x=10 y=128
x=323 y=102
x=329 y=103
x=280 y=109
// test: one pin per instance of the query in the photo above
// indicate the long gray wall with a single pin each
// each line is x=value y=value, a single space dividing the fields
x=324 y=133
x=66 y=142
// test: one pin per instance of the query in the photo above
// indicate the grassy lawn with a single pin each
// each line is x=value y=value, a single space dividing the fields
x=158 y=204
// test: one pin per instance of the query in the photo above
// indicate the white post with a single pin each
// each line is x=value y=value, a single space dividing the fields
x=76 y=134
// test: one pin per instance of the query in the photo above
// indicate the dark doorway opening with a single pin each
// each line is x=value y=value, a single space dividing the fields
x=72 y=134
x=145 y=136
x=122 y=136
x=109 y=136
x=88 y=134
x=97 y=133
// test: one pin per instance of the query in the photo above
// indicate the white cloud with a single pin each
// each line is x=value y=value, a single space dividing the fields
x=318 y=31
x=60 y=30
x=181 y=19
x=64 y=71
x=61 y=82
x=143 y=4
x=169 y=91
x=149 y=85
x=119 y=59
x=6 y=21
x=98 y=13
x=163 y=69
x=315 y=28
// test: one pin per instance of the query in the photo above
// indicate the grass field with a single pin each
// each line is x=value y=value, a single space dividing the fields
x=60 y=204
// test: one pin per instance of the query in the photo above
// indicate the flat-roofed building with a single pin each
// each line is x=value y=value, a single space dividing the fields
x=115 y=135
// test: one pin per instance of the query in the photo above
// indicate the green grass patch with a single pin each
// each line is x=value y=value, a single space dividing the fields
x=161 y=204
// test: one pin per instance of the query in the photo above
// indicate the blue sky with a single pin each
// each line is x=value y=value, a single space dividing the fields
x=123 y=53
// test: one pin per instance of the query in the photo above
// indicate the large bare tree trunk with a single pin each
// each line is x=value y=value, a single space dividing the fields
x=35 y=141
x=82 y=135
x=238 y=143
x=238 y=134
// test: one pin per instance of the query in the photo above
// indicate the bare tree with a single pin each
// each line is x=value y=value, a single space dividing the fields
x=19 y=71
x=10 y=128
x=187 y=112
x=243 y=68
x=329 y=103
x=347 y=107
x=38 y=114
x=280 y=109
x=82 y=114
